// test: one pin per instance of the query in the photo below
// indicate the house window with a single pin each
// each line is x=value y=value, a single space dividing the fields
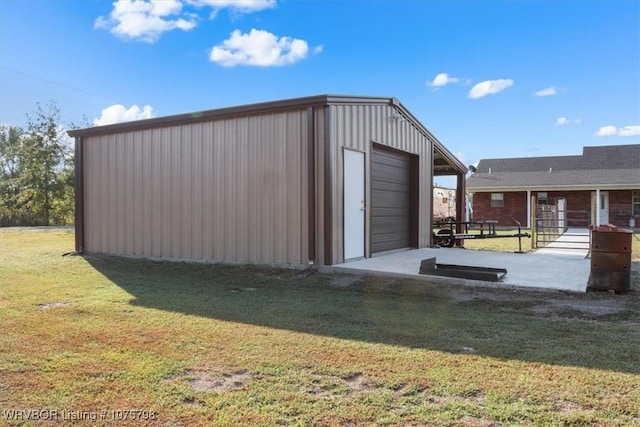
x=636 y=202
x=542 y=198
x=497 y=200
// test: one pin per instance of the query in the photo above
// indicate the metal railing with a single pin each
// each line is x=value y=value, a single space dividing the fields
x=552 y=222
x=621 y=215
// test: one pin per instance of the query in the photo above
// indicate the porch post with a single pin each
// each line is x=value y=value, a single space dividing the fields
x=528 y=208
x=461 y=205
x=597 y=206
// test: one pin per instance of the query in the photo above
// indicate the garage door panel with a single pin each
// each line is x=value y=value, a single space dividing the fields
x=386 y=242
x=390 y=211
x=390 y=200
x=392 y=159
x=391 y=227
x=391 y=174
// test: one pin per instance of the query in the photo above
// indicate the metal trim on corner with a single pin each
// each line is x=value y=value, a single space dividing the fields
x=311 y=186
x=79 y=194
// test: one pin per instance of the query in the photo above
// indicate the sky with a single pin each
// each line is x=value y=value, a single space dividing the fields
x=489 y=78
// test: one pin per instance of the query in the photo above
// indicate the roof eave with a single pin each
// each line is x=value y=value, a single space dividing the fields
x=262 y=107
x=581 y=187
x=200 y=116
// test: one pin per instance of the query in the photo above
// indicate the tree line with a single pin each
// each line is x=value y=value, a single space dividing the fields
x=36 y=171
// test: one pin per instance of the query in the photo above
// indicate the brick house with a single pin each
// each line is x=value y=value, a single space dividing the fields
x=600 y=186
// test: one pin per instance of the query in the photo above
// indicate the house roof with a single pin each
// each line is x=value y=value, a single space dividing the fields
x=445 y=163
x=603 y=167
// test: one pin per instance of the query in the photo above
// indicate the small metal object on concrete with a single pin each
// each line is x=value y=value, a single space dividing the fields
x=488 y=274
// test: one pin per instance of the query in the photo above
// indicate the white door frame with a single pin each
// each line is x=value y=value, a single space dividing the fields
x=354 y=204
x=601 y=207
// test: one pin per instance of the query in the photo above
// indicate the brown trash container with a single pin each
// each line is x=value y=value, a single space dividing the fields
x=610 y=259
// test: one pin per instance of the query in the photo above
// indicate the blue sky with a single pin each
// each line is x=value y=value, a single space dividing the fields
x=488 y=78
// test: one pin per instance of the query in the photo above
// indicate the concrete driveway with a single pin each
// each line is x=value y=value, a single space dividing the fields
x=548 y=268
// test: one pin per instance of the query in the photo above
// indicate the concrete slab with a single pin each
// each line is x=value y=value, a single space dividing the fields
x=573 y=242
x=562 y=271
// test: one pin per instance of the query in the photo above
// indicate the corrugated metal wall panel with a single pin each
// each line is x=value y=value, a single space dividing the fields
x=229 y=190
x=319 y=142
x=356 y=127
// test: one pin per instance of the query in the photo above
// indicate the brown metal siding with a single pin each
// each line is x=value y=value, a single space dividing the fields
x=234 y=189
x=357 y=127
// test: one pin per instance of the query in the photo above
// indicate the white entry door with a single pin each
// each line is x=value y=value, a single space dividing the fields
x=604 y=207
x=561 y=206
x=354 y=207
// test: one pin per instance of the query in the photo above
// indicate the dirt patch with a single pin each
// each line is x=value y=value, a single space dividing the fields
x=48 y=305
x=406 y=390
x=475 y=422
x=358 y=382
x=344 y=281
x=566 y=407
x=586 y=307
x=331 y=386
x=205 y=381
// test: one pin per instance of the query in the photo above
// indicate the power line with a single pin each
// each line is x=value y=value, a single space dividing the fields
x=56 y=83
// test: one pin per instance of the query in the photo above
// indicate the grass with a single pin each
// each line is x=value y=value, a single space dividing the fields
x=503 y=244
x=510 y=244
x=199 y=344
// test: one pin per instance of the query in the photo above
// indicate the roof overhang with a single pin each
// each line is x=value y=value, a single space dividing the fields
x=445 y=163
x=582 y=187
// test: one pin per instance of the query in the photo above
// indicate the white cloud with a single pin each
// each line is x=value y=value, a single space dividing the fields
x=611 y=130
x=442 y=79
x=259 y=48
x=318 y=49
x=629 y=130
x=550 y=91
x=565 y=121
x=145 y=20
x=117 y=113
x=607 y=131
x=489 y=87
x=242 y=6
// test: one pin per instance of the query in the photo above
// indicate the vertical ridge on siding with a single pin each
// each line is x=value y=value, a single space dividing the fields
x=319 y=157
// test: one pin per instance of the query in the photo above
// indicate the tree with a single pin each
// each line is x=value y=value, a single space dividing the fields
x=37 y=176
x=10 y=144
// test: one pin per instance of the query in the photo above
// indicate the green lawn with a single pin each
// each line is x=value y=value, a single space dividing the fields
x=197 y=344
x=510 y=244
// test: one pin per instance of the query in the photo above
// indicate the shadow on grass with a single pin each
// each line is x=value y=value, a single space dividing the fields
x=586 y=330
